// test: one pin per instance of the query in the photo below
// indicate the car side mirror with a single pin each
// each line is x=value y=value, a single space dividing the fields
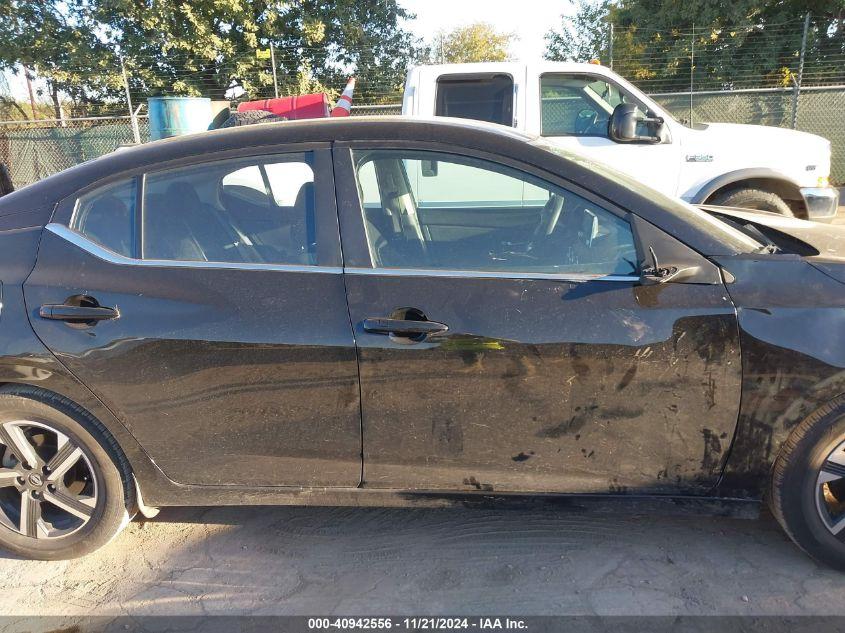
x=627 y=121
x=654 y=273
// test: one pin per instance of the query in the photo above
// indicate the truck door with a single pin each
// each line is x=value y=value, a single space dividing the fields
x=575 y=109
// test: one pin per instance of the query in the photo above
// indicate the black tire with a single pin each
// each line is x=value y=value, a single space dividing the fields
x=115 y=491
x=251 y=117
x=757 y=199
x=795 y=491
x=6 y=185
x=220 y=118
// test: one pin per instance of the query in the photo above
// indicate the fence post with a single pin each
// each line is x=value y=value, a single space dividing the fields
x=273 y=61
x=610 y=44
x=136 y=133
x=796 y=90
x=691 y=71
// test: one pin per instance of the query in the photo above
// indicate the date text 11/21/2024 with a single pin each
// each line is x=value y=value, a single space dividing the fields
x=418 y=623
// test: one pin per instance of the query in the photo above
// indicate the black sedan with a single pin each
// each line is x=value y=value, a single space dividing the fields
x=385 y=311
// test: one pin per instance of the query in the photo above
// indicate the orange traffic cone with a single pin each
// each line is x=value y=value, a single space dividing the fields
x=344 y=103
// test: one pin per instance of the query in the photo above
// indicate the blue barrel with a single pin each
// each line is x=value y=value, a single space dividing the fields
x=174 y=116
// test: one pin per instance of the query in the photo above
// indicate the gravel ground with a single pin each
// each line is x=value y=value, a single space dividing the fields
x=372 y=561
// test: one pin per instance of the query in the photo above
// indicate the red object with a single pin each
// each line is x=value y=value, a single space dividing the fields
x=311 y=106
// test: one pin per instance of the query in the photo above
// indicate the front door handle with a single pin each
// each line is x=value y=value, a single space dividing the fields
x=79 y=314
x=403 y=327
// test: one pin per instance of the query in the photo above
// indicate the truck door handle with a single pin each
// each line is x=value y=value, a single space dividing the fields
x=79 y=314
x=403 y=327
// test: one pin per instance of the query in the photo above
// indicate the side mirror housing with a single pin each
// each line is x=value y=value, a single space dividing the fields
x=627 y=122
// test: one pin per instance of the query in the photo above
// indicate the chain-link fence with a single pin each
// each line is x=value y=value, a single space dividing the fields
x=35 y=149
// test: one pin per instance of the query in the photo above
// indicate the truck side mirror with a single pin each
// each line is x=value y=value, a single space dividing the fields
x=625 y=121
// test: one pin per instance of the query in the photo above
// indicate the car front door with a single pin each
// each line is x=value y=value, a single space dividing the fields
x=506 y=342
x=204 y=304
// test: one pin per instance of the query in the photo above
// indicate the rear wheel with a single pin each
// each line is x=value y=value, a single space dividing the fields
x=757 y=199
x=63 y=480
x=808 y=485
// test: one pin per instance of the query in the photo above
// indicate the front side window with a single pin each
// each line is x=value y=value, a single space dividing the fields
x=436 y=211
x=483 y=98
x=578 y=105
x=107 y=216
x=244 y=210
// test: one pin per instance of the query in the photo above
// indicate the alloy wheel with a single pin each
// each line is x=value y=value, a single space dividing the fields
x=48 y=488
x=830 y=491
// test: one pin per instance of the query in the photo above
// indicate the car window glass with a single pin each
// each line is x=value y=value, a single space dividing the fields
x=245 y=211
x=440 y=211
x=287 y=180
x=483 y=98
x=578 y=105
x=107 y=216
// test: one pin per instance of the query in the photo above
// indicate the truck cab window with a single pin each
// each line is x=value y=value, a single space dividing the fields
x=480 y=97
x=578 y=105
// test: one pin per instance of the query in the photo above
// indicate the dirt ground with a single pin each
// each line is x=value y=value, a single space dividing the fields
x=372 y=561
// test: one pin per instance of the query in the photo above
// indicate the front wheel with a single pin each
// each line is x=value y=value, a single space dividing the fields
x=63 y=480
x=756 y=199
x=808 y=485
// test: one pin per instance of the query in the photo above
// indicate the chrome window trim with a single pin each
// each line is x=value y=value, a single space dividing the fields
x=82 y=242
x=479 y=274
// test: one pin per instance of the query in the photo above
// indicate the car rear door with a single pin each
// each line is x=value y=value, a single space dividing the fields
x=204 y=303
x=506 y=342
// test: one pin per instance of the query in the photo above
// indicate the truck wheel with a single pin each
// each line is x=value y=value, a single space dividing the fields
x=251 y=117
x=64 y=482
x=757 y=199
x=6 y=185
x=808 y=485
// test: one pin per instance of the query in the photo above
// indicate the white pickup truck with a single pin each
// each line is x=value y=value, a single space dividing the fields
x=591 y=109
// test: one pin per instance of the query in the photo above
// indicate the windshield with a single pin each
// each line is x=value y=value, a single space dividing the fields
x=703 y=221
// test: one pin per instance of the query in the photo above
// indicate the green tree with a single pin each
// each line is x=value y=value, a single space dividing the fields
x=583 y=38
x=56 y=40
x=734 y=44
x=478 y=42
x=206 y=47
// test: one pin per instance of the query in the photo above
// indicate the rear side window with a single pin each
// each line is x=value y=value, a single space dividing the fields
x=483 y=98
x=107 y=216
x=241 y=211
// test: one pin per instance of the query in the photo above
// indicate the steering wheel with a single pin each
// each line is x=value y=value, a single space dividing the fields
x=585 y=121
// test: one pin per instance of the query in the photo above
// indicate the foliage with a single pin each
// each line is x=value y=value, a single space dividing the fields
x=734 y=44
x=207 y=47
x=478 y=42
x=583 y=38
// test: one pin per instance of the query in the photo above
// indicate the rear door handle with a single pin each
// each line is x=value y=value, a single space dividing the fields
x=64 y=312
x=403 y=327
